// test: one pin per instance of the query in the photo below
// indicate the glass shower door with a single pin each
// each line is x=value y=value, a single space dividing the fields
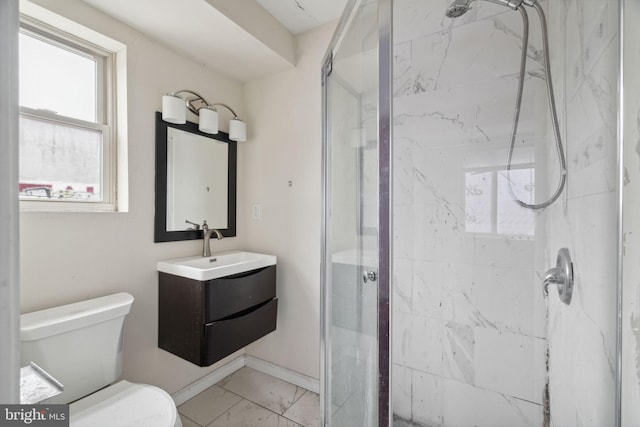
x=355 y=254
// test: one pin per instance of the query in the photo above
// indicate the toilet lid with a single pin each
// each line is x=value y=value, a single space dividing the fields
x=124 y=404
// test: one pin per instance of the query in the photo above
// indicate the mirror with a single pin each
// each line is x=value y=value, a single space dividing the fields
x=195 y=181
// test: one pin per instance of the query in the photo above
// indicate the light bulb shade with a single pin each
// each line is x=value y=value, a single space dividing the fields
x=174 y=110
x=208 y=120
x=237 y=130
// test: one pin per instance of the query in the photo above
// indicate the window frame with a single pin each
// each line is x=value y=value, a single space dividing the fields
x=106 y=101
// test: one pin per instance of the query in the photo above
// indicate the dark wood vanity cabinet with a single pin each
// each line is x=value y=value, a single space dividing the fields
x=204 y=321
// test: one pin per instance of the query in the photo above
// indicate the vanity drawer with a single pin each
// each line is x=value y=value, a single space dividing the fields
x=232 y=294
x=223 y=337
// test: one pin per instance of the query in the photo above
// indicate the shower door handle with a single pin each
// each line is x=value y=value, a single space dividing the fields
x=369 y=276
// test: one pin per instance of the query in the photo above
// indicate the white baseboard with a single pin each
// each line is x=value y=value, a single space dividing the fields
x=201 y=384
x=276 y=371
x=284 y=374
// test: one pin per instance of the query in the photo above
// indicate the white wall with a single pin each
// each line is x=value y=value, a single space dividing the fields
x=68 y=257
x=9 y=288
x=284 y=112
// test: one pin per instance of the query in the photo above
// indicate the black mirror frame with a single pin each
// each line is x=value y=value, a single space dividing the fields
x=160 y=221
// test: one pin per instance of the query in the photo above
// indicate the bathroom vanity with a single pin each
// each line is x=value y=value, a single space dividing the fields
x=204 y=318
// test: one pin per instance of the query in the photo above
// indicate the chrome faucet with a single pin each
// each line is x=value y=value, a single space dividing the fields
x=206 y=245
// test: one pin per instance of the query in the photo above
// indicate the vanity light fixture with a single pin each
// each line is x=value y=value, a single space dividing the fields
x=174 y=110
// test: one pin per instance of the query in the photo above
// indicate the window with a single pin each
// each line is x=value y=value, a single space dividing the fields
x=67 y=130
x=489 y=206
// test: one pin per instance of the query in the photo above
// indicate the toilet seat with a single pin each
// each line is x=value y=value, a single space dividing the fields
x=125 y=404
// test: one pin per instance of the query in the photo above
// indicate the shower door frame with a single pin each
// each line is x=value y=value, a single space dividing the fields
x=384 y=230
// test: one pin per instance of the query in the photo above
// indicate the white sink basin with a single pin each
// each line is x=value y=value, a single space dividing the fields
x=217 y=265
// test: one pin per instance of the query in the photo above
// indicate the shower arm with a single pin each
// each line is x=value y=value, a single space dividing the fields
x=513 y=4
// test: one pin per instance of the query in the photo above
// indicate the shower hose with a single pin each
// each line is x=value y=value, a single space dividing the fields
x=552 y=107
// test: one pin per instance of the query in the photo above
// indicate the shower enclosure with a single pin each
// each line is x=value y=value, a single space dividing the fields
x=434 y=262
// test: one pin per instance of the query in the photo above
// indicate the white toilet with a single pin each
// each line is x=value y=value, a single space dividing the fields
x=81 y=346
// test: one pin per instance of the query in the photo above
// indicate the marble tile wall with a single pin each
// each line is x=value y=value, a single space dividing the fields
x=471 y=327
x=582 y=335
x=631 y=225
x=469 y=320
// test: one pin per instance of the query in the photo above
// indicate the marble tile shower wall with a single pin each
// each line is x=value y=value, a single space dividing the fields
x=469 y=318
x=631 y=212
x=582 y=336
x=470 y=321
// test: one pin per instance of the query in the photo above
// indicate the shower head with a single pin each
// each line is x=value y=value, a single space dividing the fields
x=460 y=7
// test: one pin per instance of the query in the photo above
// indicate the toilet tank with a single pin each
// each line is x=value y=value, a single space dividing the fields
x=79 y=344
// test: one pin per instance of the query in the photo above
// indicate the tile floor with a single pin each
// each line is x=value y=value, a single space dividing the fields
x=252 y=399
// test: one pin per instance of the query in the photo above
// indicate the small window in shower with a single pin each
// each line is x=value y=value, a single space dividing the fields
x=489 y=205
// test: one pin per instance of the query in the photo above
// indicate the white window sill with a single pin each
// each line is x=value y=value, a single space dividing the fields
x=46 y=206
